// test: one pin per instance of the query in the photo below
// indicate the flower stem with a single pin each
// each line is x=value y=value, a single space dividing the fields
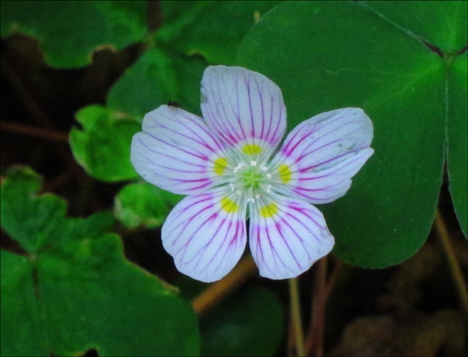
x=314 y=338
x=444 y=237
x=296 y=316
x=216 y=291
x=333 y=277
x=290 y=344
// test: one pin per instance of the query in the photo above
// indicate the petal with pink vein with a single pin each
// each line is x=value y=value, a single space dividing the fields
x=287 y=236
x=206 y=234
x=323 y=153
x=176 y=151
x=243 y=107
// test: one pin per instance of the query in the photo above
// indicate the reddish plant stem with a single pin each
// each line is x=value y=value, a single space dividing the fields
x=220 y=289
x=34 y=132
x=333 y=277
x=38 y=114
x=153 y=14
x=63 y=178
x=314 y=337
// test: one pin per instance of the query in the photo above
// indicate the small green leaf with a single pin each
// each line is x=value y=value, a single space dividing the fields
x=77 y=291
x=70 y=31
x=35 y=217
x=457 y=161
x=157 y=77
x=200 y=27
x=143 y=204
x=330 y=55
x=103 y=146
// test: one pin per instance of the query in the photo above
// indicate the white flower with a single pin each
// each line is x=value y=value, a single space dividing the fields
x=226 y=165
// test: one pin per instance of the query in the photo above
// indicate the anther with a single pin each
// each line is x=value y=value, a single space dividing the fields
x=253 y=163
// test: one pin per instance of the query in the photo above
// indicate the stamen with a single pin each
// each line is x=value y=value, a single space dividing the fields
x=238 y=167
x=253 y=163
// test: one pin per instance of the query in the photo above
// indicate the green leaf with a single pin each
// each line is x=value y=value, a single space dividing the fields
x=250 y=322
x=213 y=29
x=143 y=204
x=35 y=217
x=22 y=330
x=70 y=31
x=103 y=146
x=457 y=160
x=329 y=55
x=440 y=23
x=158 y=76
x=76 y=291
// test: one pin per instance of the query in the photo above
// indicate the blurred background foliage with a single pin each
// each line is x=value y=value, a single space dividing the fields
x=77 y=78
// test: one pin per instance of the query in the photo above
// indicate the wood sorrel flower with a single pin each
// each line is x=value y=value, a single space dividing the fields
x=226 y=163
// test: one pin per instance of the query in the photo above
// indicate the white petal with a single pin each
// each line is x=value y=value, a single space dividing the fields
x=176 y=151
x=205 y=239
x=324 y=152
x=287 y=237
x=243 y=107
